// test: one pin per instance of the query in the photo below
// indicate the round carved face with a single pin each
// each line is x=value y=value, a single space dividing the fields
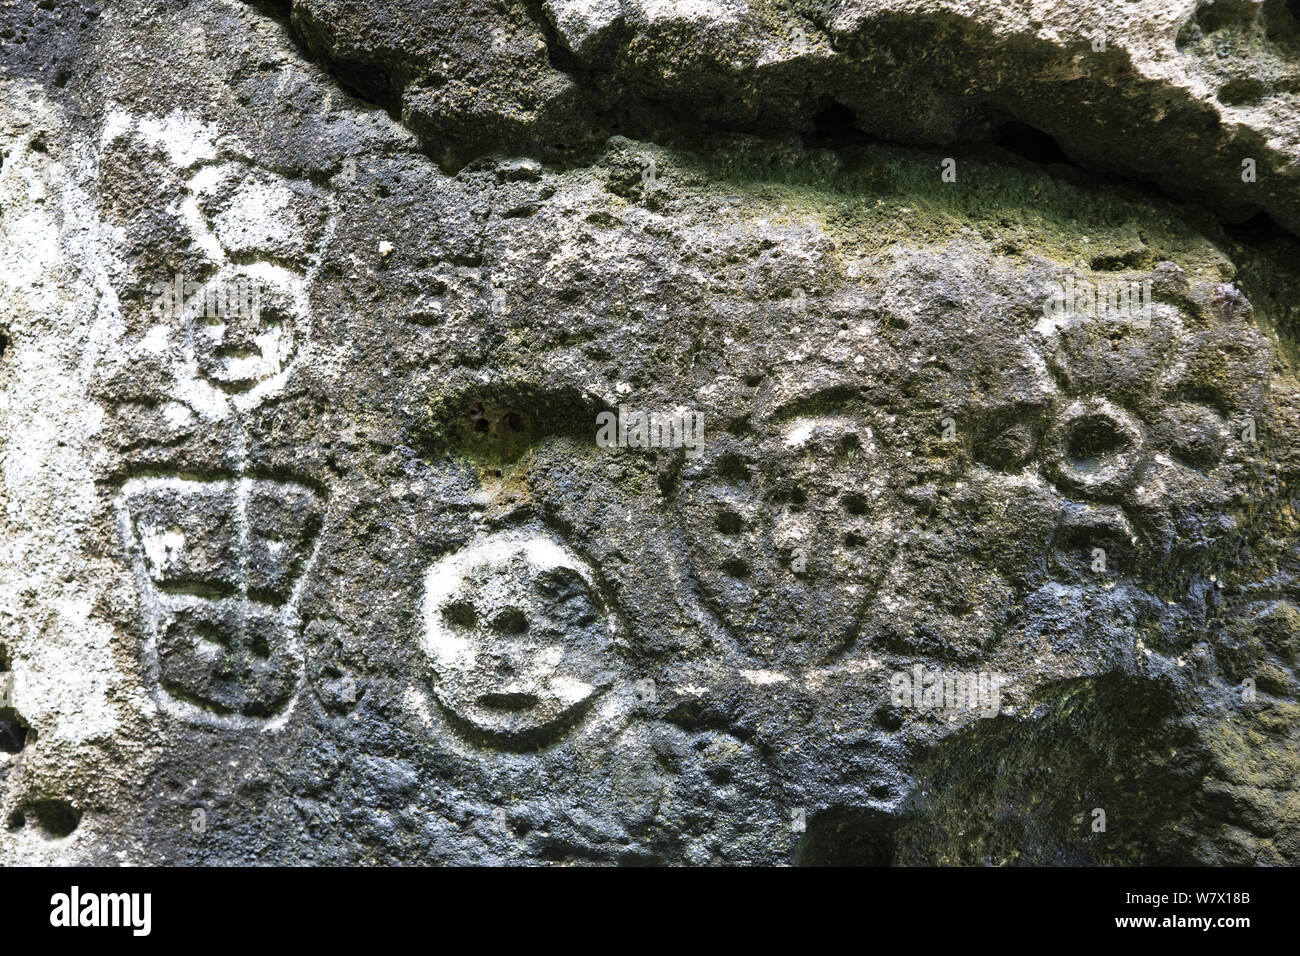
x=518 y=638
x=243 y=326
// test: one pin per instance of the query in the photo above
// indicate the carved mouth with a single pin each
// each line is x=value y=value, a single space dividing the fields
x=510 y=703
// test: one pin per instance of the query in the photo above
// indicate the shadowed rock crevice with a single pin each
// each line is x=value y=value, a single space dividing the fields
x=849 y=836
x=546 y=77
x=1100 y=771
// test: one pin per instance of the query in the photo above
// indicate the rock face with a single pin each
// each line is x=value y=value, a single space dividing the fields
x=650 y=432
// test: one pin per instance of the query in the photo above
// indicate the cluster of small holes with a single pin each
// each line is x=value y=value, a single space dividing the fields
x=481 y=420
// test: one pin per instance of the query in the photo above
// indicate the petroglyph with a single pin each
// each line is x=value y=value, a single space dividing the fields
x=220 y=564
x=518 y=637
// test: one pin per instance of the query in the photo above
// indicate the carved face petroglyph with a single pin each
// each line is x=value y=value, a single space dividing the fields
x=970 y=471
x=244 y=325
x=220 y=561
x=1137 y=448
x=518 y=637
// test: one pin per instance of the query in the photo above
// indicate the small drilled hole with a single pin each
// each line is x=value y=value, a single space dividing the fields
x=512 y=620
x=729 y=522
x=855 y=504
x=731 y=468
x=889 y=718
x=736 y=568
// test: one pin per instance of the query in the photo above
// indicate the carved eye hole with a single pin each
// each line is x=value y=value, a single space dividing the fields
x=511 y=620
x=460 y=614
x=1093 y=440
x=1008 y=449
x=273 y=316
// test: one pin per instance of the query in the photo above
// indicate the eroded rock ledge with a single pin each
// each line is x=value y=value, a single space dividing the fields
x=1178 y=95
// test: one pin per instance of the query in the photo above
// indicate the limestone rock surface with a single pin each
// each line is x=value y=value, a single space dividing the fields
x=971 y=330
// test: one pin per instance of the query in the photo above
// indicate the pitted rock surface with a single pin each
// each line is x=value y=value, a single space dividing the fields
x=311 y=550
